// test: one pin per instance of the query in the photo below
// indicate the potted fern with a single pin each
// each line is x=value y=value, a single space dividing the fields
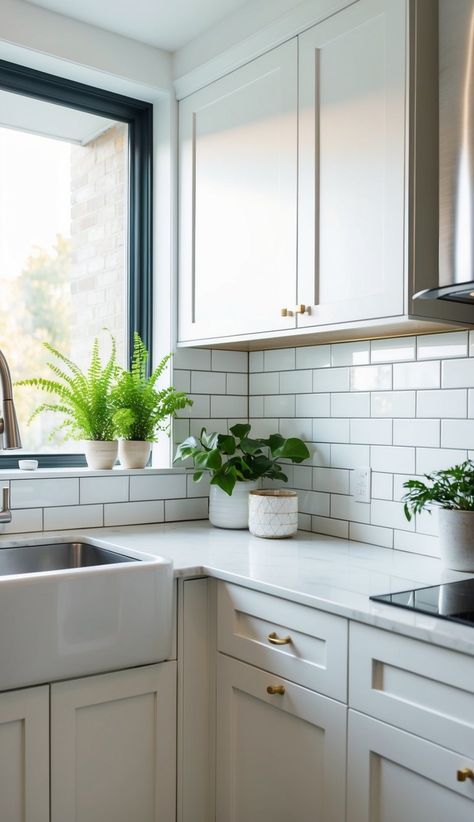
x=140 y=409
x=452 y=491
x=83 y=399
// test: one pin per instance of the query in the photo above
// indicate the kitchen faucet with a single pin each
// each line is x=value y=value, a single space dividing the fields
x=9 y=430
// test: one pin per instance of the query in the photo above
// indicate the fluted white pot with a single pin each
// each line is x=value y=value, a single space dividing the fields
x=273 y=514
x=133 y=453
x=100 y=456
x=230 y=511
x=456 y=539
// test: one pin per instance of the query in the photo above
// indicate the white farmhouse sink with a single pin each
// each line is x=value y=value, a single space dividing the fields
x=80 y=607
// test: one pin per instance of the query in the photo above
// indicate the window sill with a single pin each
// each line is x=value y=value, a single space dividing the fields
x=54 y=473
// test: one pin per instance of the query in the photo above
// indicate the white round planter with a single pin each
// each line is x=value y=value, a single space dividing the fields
x=456 y=539
x=100 y=456
x=133 y=453
x=273 y=514
x=233 y=511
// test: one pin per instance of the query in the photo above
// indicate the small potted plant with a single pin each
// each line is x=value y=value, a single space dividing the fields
x=140 y=409
x=236 y=463
x=452 y=491
x=84 y=401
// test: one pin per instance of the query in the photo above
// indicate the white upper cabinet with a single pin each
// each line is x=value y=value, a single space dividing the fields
x=351 y=164
x=238 y=191
x=308 y=183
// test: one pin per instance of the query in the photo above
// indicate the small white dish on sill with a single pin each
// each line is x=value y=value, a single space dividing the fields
x=273 y=514
x=27 y=465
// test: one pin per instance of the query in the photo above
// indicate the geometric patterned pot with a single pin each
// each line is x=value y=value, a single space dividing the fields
x=273 y=514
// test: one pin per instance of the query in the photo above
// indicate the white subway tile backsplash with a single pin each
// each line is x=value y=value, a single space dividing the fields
x=458 y=373
x=441 y=346
x=229 y=406
x=457 y=433
x=416 y=543
x=304 y=521
x=396 y=459
x=350 y=405
x=237 y=384
x=302 y=477
x=264 y=383
x=345 y=507
x=185 y=509
x=331 y=379
x=296 y=382
x=420 y=432
x=330 y=527
x=416 y=375
x=38 y=493
x=198 y=489
x=374 y=534
x=103 y=489
x=331 y=430
x=437 y=459
x=313 y=502
x=393 y=403
x=208 y=382
x=263 y=427
x=313 y=356
x=313 y=405
x=236 y=361
x=353 y=353
x=192 y=359
x=23 y=520
x=133 y=513
x=427 y=522
x=73 y=516
x=390 y=515
x=182 y=380
x=382 y=485
x=256 y=406
x=371 y=431
x=394 y=350
x=166 y=486
x=470 y=411
x=334 y=480
x=199 y=408
x=371 y=378
x=255 y=361
x=349 y=456
x=279 y=405
x=320 y=453
x=279 y=359
x=442 y=403
x=301 y=428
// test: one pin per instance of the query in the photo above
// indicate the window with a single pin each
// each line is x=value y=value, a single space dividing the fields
x=75 y=231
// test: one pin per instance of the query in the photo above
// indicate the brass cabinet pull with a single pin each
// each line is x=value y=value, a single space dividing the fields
x=276 y=689
x=302 y=309
x=465 y=773
x=274 y=639
x=286 y=312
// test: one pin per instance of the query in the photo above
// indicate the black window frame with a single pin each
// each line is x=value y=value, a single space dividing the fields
x=139 y=116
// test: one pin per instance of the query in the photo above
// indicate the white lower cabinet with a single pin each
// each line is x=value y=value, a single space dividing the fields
x=24 y=755
x=113 y=747
x=280 y=756
x=394 y=776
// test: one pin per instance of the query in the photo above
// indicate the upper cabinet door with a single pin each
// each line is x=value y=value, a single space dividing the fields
x=351 y=250
x=238 y=200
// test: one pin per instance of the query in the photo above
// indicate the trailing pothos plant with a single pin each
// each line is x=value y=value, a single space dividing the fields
x=140 y=408
x=452 y=488
x=83 y=398
x=237 y=457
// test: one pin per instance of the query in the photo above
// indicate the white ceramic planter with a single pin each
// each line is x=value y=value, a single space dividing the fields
x=133 y=453
x=456 y=539
x=100 y=456
x=273 y=514
x=233 y=511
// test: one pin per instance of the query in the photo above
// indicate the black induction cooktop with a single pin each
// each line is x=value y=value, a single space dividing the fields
x=453 y=600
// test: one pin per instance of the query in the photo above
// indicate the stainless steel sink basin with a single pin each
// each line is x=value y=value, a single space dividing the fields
x=33 y=559
x=69 y=609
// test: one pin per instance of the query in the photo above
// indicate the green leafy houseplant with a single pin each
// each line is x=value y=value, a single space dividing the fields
x=140 y=409
x=451 y=489
x=82 y=398
x=236 y=457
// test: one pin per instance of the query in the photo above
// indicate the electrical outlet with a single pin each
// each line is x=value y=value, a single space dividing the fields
x=360 y=484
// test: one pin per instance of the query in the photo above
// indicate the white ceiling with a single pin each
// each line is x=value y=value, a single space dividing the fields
x=167 y=24
x=49 y=120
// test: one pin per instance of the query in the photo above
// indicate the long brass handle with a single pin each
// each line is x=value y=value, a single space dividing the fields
x=274 y=639
x=276 y=689
x=465 y=773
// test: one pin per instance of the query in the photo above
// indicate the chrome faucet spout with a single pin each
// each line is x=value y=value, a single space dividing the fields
x=8 y=423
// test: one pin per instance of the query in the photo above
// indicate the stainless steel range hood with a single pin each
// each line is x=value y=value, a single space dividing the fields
x=456 y=154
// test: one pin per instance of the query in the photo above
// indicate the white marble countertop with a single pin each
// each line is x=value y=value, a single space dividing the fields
x=331 y=574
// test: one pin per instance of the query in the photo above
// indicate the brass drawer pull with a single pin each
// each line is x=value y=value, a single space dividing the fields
x=274 y=639
x=276 y=689
x=465 y=773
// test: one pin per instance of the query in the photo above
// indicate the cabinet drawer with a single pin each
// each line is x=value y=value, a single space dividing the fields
x=416 y=686
x=315 y=651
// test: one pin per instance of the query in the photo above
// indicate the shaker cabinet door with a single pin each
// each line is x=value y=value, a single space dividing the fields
x=238 y=191
x=351 y=248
